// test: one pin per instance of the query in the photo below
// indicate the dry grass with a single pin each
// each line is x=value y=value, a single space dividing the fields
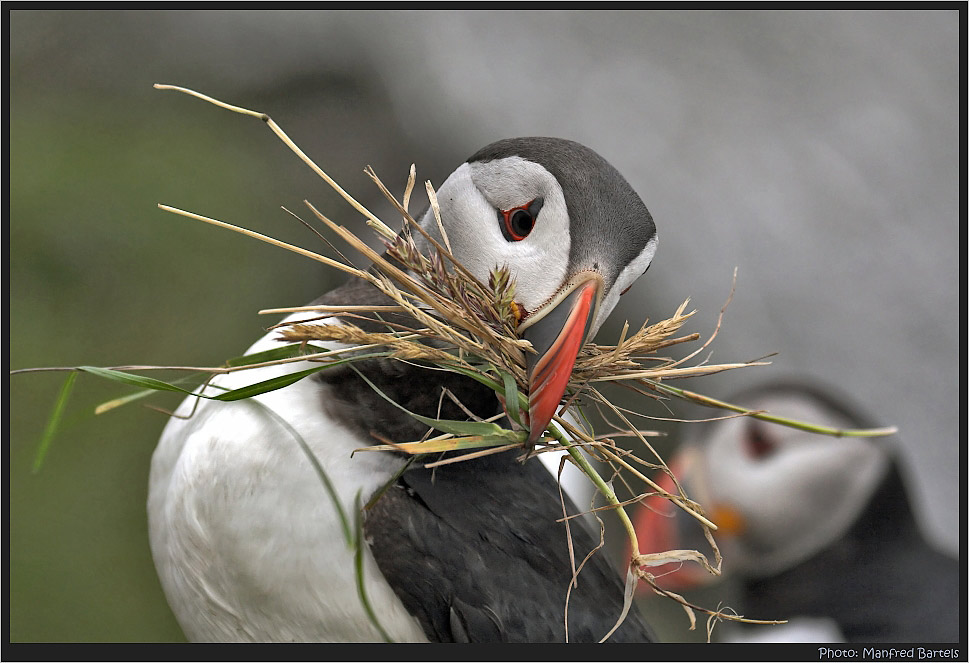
x=464 y=325
x=461 y=324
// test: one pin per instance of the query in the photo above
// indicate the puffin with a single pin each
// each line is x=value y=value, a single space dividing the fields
x=816 y=530
x=266 y=522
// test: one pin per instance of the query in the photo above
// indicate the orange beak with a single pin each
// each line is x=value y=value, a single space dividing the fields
x=557 y=335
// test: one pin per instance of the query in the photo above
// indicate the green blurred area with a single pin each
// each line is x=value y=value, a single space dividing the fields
x=98 y=275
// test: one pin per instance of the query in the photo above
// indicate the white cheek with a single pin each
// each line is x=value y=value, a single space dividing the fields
x=796 y=501
x=538 y=263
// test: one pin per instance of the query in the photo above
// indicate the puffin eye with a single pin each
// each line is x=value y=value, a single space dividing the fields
x=518 y=222
x=521 y=223
x=758 y=443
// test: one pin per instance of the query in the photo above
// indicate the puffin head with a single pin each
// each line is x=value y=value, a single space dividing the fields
x=571 y=232
x=778 y=495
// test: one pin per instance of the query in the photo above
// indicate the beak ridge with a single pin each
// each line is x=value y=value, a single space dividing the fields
x=557 y=338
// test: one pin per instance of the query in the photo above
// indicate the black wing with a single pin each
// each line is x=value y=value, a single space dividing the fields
x=474 y=551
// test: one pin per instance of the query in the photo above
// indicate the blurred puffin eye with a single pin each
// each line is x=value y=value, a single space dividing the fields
x=518 y=222
x=758 y=443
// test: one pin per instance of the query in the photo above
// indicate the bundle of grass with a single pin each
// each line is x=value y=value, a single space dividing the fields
x=455 y=322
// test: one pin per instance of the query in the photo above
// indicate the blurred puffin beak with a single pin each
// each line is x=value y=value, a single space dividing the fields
x=658 y=524
x=557 y=332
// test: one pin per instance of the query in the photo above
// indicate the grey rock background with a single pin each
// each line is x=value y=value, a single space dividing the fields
x=817 y=152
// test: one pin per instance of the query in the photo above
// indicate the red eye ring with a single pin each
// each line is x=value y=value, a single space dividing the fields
x=518 y=222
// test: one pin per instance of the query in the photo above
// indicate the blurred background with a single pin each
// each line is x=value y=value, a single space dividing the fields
x=816 y=152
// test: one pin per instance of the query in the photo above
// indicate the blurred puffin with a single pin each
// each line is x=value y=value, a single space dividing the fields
x=818 y=530
x=246 y=541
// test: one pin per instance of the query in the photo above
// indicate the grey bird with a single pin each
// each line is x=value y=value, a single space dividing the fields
x=249 y=544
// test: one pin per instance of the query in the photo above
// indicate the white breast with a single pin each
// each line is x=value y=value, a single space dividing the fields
x=247 y=541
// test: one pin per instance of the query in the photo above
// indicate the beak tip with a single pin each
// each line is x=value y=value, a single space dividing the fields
x=537 y=422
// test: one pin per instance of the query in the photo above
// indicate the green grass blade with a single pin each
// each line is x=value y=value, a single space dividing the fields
x=475 y=375
x=248 y=391
x=390 y=482
x=132 y=379
x=54 y=421
x=360 y=544
x=511 y=397
x=107 y=406
x=766 y=416
x=281 y=381
x=468 y=428
x=318 y=468
x=271 y=384
x=285 y=352
x=489 y=382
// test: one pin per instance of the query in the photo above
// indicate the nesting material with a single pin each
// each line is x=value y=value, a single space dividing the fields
x=463 y=325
